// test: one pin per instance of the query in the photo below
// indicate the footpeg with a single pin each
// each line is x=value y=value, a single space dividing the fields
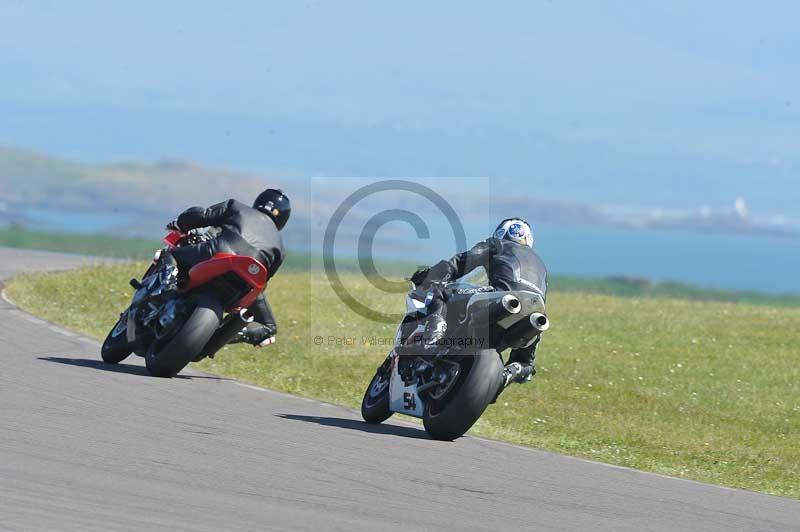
x=135 y=284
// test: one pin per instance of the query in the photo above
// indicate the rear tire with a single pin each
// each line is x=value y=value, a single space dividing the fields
x=465 y=405
x=115 y=347
x=375 y=405
x=183 y=348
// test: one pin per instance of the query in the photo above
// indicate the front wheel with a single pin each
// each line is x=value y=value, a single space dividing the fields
x=454 y=414
x=184 y=346
x=375 y=405
x=115 y=348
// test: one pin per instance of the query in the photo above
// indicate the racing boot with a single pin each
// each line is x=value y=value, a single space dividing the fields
x=513 y=372
x=516 y=372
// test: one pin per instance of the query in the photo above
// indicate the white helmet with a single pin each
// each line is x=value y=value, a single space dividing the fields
x=515 y=229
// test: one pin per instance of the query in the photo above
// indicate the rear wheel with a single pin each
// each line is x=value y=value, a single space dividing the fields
x=167 y=357
x=454 y=414
x=375 y=405
x=115 y=348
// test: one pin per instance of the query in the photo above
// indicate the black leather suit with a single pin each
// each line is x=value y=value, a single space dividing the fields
x=509 y=266
x=243 y=231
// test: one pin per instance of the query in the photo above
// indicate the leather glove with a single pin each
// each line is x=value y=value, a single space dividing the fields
x=419 y=277
x=173 y=226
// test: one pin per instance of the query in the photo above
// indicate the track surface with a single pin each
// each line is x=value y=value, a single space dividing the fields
x=86 y=446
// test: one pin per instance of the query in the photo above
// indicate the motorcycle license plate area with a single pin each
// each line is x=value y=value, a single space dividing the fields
x=403 y=398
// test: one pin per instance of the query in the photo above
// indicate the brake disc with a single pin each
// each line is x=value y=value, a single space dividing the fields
x=447 y=377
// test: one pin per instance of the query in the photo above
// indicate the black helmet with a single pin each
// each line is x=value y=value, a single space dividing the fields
x=274 y=204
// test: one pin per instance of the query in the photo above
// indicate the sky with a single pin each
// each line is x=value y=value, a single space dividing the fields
x=658 y=104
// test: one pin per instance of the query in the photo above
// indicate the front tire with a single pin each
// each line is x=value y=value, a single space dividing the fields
x=455 y=414
x=186 y=344
x=115 y=347
x=375 y=405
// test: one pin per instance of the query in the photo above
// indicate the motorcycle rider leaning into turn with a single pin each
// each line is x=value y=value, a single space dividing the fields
x=241 y=230
x=511 y=264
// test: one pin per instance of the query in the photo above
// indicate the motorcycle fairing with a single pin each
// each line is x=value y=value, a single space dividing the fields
x=173 y=238
x=403 y=398
x=248 y=269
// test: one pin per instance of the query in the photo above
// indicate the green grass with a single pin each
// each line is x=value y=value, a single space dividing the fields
x=85 y=244
x=102 y=245
x=635 y=287
x=701 y=390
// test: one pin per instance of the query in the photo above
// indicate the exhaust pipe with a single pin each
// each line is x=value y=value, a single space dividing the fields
x=511 y=304
x=539 y=322
x=227 y=332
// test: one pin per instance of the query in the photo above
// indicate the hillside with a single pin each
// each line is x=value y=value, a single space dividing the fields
x=31 y=181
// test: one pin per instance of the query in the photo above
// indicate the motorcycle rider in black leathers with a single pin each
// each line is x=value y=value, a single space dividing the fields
x=511 y=264
x=240 y=230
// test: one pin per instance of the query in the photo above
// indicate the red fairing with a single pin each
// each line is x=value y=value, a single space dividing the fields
x=250 y=270
x=173 y=238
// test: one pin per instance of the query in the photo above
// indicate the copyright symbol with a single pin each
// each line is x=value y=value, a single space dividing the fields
x=318 y=340
x=366 y=239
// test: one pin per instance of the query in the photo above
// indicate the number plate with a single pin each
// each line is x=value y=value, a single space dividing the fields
x=404 y=399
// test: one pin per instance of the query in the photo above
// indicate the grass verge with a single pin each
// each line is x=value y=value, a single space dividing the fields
x=701 y=390
x=84 y=244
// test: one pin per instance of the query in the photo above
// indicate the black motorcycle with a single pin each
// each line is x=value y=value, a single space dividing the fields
x=449 y=385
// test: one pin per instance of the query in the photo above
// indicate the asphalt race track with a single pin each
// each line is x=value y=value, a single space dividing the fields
x=87 y=446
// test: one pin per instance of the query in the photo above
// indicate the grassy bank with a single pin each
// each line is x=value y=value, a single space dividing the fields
x=637 y=288
x=84 y=244
x=103 y=245
x=701 y=390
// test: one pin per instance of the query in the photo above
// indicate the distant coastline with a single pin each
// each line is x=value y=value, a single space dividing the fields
x=597 y=283
x=45 y=192
x=735 y=220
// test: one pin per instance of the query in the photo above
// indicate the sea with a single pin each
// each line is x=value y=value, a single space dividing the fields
x=711 y=260
x=724 y=261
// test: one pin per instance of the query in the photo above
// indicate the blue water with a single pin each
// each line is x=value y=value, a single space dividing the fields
x=762 y=264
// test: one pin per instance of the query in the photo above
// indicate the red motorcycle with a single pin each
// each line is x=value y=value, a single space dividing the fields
x=175 y=319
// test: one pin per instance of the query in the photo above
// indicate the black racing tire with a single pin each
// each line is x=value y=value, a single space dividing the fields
x=375 y=404
x=452 y=416
x=115 y=347
x=186 y=344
